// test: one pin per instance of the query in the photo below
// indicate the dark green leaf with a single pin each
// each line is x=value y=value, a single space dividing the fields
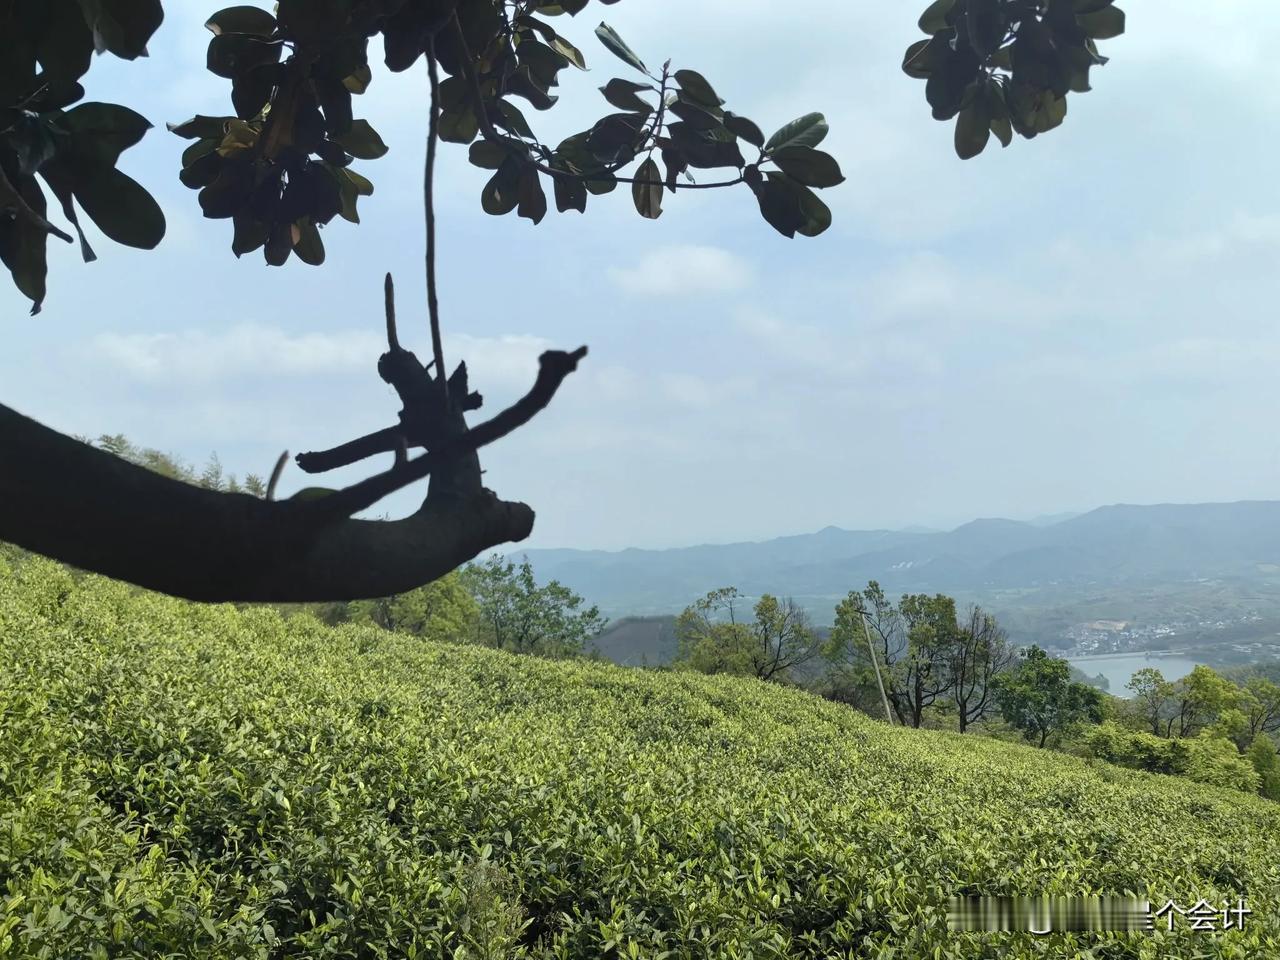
x=810 y=167
x=251 y=91
x=618 y=47
x=24 y=246
x=242 y=19
x=502 y=193
x=973 y=130
x=623 y=95
x=647 y=190
x=694 y=115
x=459 y=124
x=807 y=131
x=124 y=27
x=121 y=207
x=233 y=54
x=200 y=127
x=533 y=201
x=362 y=141
x=487 y=155
x=335 y=103
x=512 y=120
x=1102 y=24
x=279 y=246
x=696 y=86
x=250 y=233
x=569 y=52
x=934 y=18
x=744 y=129
x=307 y=243
x=570 y=195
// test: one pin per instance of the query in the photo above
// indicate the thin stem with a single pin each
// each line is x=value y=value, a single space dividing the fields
x=389 y=292
x=428 y=188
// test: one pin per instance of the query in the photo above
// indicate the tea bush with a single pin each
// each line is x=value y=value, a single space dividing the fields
x=185 y=781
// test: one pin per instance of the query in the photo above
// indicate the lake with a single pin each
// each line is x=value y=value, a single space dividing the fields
x=1119 y=668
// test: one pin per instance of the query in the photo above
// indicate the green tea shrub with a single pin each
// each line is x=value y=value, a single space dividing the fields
x=1137 y=749
x=207 y=782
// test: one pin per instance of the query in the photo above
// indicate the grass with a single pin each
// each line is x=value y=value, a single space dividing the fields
x=185 y=781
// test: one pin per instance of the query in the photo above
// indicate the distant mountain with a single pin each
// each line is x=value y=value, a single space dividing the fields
x=1122 y=544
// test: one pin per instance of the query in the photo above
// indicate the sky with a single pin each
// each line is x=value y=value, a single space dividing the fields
x=1082 y=319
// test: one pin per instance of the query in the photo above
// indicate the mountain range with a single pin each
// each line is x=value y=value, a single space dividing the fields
x=1120 y=545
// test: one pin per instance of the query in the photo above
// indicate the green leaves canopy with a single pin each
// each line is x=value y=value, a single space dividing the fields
x=45 y=49
x=1000 y=66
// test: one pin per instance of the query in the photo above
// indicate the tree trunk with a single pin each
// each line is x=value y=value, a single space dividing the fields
x=93 y=510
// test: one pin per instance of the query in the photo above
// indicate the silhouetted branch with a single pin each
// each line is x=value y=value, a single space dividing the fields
x=554 y=366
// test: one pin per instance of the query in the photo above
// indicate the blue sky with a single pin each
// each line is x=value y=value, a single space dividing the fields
x=1081 y=319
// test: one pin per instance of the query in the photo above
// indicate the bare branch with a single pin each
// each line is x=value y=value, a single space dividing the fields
x=275 y=474
x=429 y=201
x=85 y=507
x=554 y=366
x=389 y=295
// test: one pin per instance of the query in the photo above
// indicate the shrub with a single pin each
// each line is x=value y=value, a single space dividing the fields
x=186 y=781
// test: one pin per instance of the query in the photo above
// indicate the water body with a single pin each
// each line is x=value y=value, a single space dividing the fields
x=1119 y=668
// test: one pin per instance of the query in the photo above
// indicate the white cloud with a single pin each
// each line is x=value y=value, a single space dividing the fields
x=242 y=350
x=679 y=270
x=253 y=350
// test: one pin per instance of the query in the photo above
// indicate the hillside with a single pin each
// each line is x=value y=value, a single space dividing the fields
x=1210 y=573
x=1110 y=545
x=192 y=781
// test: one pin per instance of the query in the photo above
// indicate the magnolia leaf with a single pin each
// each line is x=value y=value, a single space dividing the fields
x=807 y=131
x=618 y=47
x=647 y=190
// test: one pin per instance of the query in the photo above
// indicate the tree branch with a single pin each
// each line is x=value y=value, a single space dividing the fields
x=428 y=196
x=554 y=366
x=84 y=506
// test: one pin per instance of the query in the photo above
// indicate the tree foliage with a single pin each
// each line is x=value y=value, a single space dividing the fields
x=515 y=613
x=1006 y=66
x=772 y=645
x=282 y=166
x=1039 y=698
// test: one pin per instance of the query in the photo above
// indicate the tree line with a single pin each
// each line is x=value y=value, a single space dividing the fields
x=921 y=662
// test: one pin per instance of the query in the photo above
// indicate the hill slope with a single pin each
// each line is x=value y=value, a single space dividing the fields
x=188 y=781
x=1111 y=545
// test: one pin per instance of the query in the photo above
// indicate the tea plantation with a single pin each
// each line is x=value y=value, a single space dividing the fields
x=184 y=781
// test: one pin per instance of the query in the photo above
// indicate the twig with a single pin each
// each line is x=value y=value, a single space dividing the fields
x=428 y=191
x=389 y=294
x=554 y=366
x=12 y=199
x=275 y=475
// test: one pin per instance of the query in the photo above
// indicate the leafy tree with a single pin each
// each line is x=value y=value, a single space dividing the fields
x=1266 y=763
x=1198 y=698
x=1039 y=698
x=913 y=642
x=1217 y=761
x=709 y=637
x=1259 y=699
x=442 y=610
x=979 y=651
x=1153 y=699
x=518 y=615
x=771 y=646
x=282 y=166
